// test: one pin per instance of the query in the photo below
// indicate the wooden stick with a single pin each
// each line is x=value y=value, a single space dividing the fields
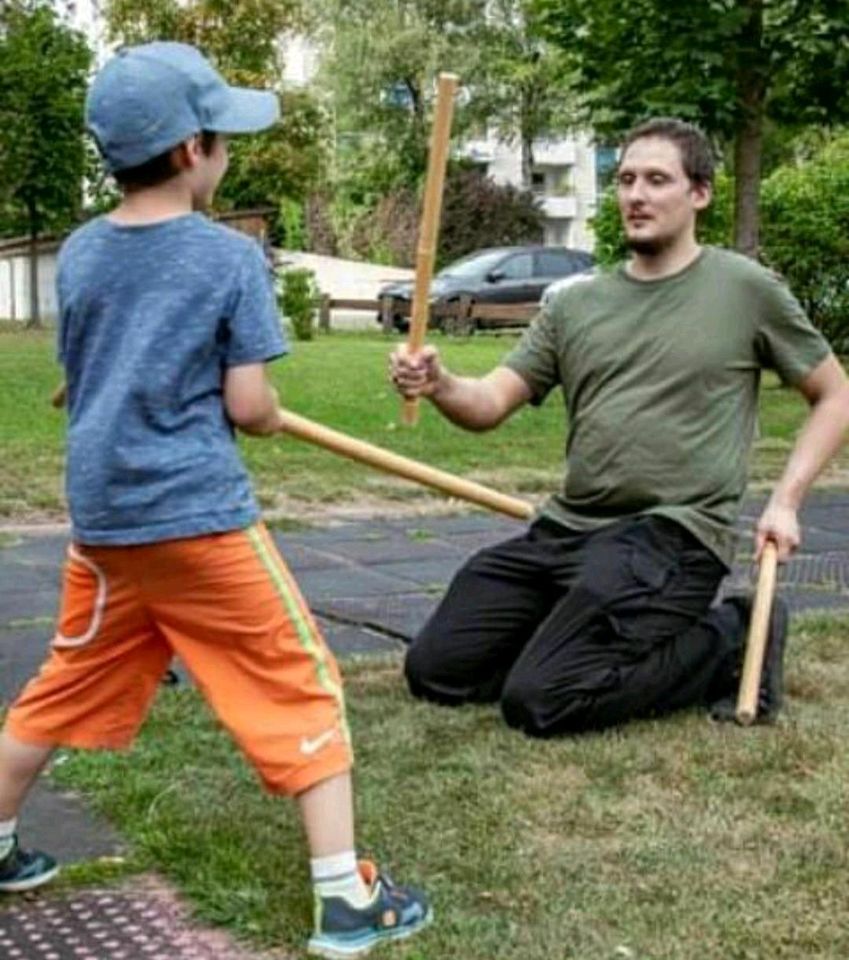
x=375 y=456
x=57 y=400
x=756 y=642
x=429 y=226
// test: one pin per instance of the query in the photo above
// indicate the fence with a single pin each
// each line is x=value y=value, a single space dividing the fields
x=462 y=316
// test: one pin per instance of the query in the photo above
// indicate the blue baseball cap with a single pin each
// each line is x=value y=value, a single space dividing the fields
x=148 y=99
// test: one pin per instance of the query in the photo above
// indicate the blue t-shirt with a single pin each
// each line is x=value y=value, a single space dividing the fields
x=150 y=318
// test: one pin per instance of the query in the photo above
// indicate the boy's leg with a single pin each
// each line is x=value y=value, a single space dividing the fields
x=628 y=639
x=20 y=765
x=92 y=691
x=231 y=610
x=493 y=606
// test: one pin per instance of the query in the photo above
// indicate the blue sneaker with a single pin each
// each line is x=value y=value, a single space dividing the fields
x=343 y=931
x=25 y=869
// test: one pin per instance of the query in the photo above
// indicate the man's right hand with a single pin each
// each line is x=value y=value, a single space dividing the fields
x=418 y=374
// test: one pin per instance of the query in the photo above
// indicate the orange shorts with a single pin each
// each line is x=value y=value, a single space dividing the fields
x=227 y=605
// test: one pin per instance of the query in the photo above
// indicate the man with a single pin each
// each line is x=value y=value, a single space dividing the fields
x=601 y=611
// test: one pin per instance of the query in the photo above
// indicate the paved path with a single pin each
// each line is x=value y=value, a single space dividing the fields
x=372 y=585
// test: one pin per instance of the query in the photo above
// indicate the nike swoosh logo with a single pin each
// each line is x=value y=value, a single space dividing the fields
x=309 y=747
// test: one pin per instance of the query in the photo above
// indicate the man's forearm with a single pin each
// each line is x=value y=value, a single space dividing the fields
x=468 y=402
x=822 y=436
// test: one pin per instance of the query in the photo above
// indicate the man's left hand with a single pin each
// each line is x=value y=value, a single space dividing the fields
x=780 y=524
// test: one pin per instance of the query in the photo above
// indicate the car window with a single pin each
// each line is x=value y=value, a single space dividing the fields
x=518 y=267
x=477 y=265
x=552 y=263
x=559 y=263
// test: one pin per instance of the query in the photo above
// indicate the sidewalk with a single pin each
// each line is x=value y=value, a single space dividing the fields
x=371 y=585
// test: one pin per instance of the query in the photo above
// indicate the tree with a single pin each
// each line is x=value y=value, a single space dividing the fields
x=522 y=88
x=806 y=234
x=730 y=65
x=382 y=60
x=241 y=38
x=43 y=73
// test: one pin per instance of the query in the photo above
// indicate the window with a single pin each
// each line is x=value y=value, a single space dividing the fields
x=516 y=268
x=552 y=263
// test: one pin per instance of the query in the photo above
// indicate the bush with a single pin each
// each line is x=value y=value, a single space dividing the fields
x=298 y=301
x=478 y=212
x=805 y=235
x=715 y=223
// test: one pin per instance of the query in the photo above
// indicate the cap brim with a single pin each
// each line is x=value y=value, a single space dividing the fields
x=248 y=111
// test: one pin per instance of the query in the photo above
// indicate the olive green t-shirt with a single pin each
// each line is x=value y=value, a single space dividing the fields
x=660 y=380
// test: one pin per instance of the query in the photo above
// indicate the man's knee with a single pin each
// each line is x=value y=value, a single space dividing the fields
x=417 y=670
x=537 y=712
x=524 y=707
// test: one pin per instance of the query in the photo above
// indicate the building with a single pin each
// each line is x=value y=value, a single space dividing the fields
x=563 y=178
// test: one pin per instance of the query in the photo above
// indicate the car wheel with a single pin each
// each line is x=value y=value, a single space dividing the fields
x=400 y=322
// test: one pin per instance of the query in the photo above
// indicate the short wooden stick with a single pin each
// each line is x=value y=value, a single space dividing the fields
x=429 y=226
x=756 y=642
x=375 y=456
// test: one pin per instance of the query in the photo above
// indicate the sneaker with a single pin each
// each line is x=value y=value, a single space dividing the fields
x=771 y=694
x=25 y=869
x=394 y=913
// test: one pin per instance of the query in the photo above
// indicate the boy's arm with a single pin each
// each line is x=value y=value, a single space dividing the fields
x=250 y=400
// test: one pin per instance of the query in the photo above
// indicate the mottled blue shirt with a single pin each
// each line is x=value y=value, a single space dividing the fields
x=150 y=318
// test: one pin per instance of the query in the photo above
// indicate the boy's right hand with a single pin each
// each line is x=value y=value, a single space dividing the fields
x=418 y=374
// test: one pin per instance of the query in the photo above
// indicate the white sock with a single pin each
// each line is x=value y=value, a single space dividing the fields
x=339 y=876
x=7 y=835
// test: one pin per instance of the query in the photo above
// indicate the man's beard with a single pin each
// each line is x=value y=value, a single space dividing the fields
x=649 y=246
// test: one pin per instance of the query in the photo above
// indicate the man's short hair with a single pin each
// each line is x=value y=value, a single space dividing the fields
x=158 y=170
x=697 y=156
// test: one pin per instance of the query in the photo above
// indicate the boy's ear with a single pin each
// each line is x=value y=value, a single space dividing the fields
x=187 y=154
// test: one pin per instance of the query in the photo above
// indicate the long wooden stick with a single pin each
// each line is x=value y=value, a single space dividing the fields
x=429 y=226
x=375 y=456
x=756 y=642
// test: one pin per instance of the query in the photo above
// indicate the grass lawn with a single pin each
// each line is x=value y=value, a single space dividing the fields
x=340 y=381
x=668 y=840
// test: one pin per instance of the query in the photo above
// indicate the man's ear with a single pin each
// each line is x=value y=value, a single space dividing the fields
x=702 y=194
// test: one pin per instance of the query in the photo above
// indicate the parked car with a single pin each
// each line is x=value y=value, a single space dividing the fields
x=495 y=275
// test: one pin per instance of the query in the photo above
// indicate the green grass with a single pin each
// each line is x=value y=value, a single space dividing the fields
x=668 y=840
x=340 y=381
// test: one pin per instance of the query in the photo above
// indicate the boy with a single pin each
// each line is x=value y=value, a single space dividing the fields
x=166 y=323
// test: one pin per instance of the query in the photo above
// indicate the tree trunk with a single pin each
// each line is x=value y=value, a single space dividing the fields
x=752 y=80
x=34 y=306
x=527 y=162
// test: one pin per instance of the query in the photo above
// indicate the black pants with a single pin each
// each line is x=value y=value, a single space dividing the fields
x=576 y=631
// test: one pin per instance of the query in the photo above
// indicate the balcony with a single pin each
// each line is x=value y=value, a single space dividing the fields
x=560 y=208
x=554 y=153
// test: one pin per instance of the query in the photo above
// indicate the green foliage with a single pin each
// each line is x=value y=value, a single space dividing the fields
x=285 y=163
x=714 y=225
x=727 y=64
x=292 y=226
x=43 y=70
x=239 y=35
x=298 y=301
x=382 y=69
x=806 y=235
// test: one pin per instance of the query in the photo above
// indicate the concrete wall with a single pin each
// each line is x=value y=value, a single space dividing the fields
x=15 y=286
